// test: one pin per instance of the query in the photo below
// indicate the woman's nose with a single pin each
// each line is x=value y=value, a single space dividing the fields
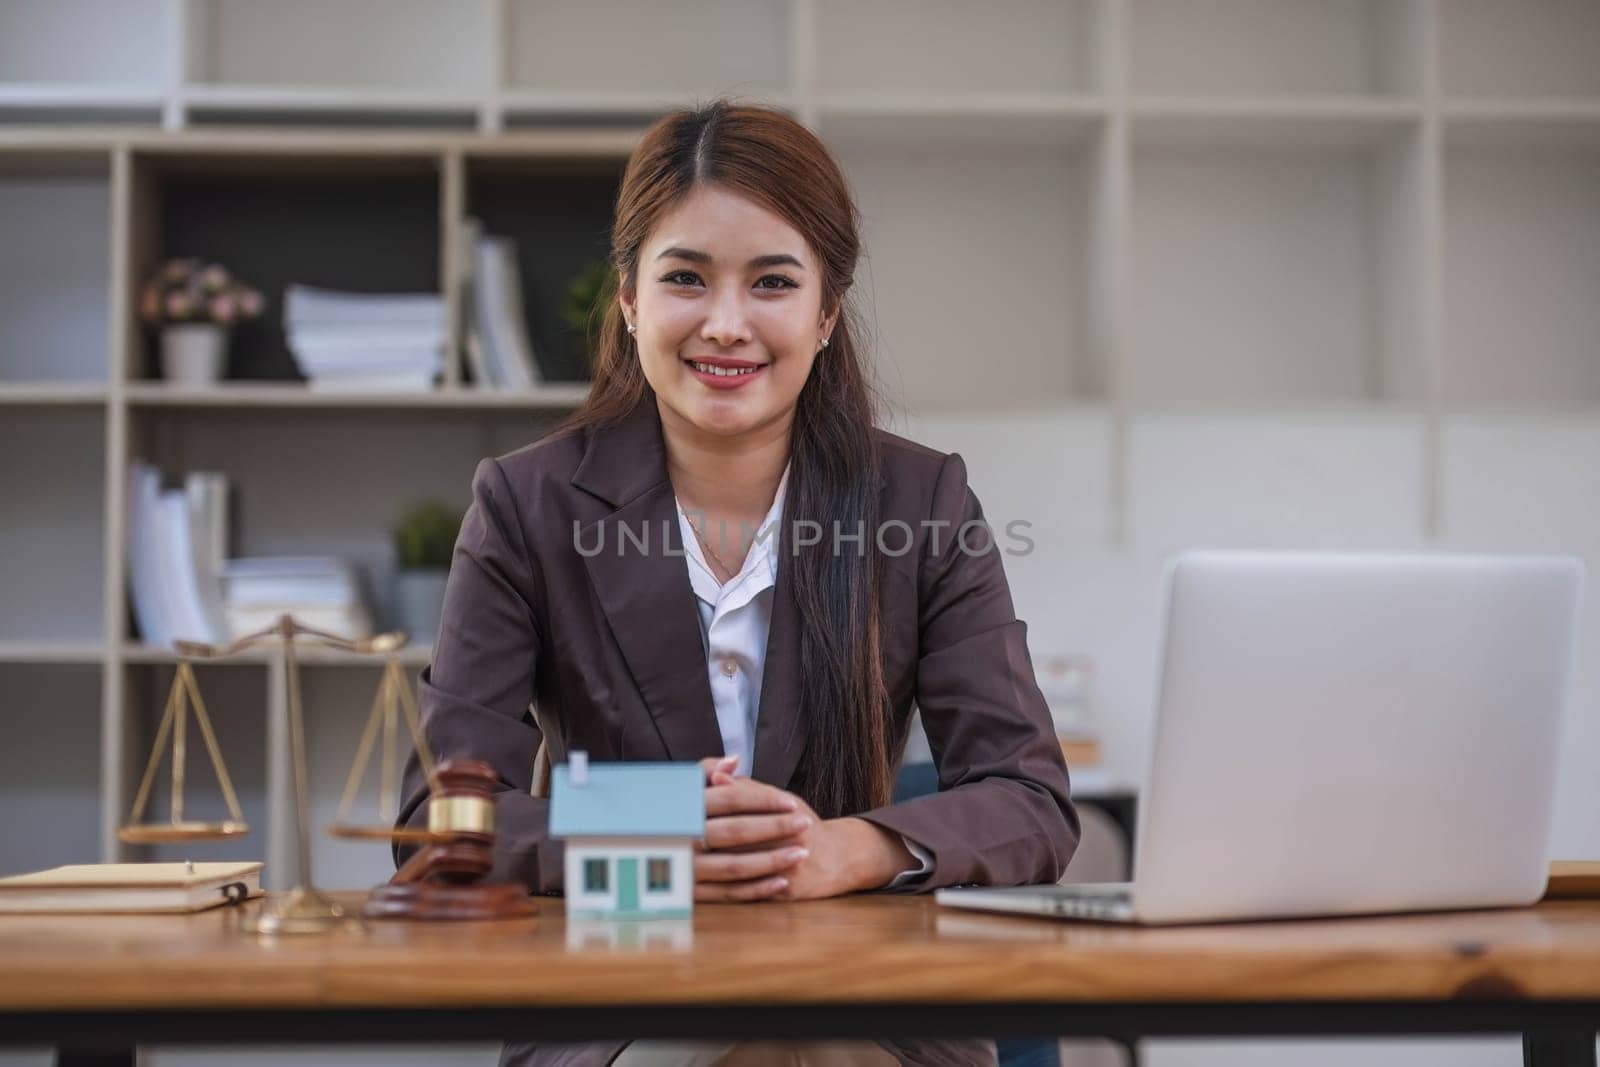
x=727 y=322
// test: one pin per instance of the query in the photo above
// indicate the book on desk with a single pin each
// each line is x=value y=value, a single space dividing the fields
x=130 y=887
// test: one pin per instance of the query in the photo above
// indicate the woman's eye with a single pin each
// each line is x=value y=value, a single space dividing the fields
x=677 y=276
x=783 y=283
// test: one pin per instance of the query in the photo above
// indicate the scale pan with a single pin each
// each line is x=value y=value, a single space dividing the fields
x=158 y=832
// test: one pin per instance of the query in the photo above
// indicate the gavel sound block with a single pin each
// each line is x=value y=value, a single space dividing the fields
x=445 y=879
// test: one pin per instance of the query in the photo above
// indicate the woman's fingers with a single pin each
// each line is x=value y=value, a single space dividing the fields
x=745 y=866
x=733 y=831
x=713 y=765
x=740 y=891
x=746 y=795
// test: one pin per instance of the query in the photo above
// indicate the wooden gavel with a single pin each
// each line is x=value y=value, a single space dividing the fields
x=445 y=879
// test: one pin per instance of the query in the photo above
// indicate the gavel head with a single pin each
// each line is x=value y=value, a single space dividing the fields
x=462 y=805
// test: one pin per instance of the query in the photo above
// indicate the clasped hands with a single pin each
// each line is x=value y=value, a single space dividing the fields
x=764 y=843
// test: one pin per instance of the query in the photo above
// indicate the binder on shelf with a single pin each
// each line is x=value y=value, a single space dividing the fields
x=176 y=539
x=498 y=317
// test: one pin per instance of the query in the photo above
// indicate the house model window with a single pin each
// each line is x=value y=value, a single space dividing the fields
x=659 y=876
x=594 y=876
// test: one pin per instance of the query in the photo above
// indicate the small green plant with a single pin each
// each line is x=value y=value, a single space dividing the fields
x=585 y=299
x=425 y=536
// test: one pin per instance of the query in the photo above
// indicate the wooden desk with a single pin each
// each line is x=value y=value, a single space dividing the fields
x=866 y=966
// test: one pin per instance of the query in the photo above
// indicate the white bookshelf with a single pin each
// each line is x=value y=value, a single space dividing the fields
x=1260 y=271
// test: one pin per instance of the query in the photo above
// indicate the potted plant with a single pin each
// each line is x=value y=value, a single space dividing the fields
x=195 y=304
x=424 y=539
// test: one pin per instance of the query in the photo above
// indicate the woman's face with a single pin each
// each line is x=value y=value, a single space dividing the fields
x=723 y=282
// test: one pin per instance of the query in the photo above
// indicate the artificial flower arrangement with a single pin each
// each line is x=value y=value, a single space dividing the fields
x=195 y=304
x=187 y=290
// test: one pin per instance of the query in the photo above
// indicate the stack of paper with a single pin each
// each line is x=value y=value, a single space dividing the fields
x=319 y=591
x=499 y=352
x=365 y=342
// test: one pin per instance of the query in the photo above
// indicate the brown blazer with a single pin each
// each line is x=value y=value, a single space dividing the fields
x=607 y=647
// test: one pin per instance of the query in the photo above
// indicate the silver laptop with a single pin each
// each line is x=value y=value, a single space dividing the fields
x=1339 y=734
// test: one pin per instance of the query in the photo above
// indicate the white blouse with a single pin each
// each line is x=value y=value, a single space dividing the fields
x=734 y=619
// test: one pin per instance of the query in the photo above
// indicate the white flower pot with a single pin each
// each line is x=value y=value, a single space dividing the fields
x=192 y=353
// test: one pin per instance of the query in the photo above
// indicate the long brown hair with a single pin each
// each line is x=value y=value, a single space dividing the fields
x=769 y=158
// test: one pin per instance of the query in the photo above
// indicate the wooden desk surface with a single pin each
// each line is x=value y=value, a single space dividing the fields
x=858 y=949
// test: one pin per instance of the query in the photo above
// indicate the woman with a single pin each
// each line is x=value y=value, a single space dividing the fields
x=720 y=558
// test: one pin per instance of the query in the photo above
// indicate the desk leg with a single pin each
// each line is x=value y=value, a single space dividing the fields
x=1558 y=1048
x=70 y=1056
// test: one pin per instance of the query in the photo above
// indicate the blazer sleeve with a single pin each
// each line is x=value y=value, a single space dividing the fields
x=1003 y=814
x=475 y=697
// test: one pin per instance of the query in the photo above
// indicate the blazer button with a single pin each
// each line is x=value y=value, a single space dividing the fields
x=729 y=668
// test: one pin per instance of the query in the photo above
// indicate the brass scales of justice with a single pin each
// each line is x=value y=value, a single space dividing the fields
x=445 y=879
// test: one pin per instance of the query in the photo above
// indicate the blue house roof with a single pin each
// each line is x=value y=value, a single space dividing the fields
x=629 y=800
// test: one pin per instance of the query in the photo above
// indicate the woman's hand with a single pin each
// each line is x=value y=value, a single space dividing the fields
x=764 y=843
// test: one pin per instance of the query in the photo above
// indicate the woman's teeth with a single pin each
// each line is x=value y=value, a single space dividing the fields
x=724 y=372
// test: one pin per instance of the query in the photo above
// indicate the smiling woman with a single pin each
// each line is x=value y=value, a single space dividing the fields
x=596 y=600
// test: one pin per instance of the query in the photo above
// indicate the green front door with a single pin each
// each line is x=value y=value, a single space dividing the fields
x=627 y=885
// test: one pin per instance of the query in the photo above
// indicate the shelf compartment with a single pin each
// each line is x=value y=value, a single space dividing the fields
x=1070 y=445
x=86 y=45
x=938 y=47
x=696 y=47
x=1025 y=335
x=50 y=766
x=1521 y=237
x=1335 y=481
x=52 y=547
x=54 y=296
x=356 y=222
x=1494 y=49
x=416 y=45
x=1275 y=48
x=370 y=470
x=1282 y=275
x=558 y=213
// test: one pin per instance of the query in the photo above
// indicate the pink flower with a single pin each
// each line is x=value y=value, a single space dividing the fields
x=250 y=304
x=222 y=309
x=178 y=306
x=214 y=278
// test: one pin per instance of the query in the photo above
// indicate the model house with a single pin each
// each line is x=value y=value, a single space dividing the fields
x=630 y=829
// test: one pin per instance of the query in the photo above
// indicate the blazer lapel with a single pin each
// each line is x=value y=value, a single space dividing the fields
x=645 y=593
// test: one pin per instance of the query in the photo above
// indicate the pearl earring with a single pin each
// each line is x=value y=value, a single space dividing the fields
x=824 y=342
x=632 y=328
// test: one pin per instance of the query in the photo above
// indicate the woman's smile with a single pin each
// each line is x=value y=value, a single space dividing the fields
x=719 y=372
